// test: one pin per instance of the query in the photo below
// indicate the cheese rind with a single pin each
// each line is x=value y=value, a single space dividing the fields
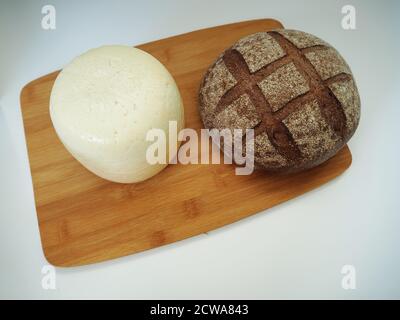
x=103 y=104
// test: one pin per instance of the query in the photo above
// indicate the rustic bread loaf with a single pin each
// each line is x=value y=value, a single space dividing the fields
x=292 y=88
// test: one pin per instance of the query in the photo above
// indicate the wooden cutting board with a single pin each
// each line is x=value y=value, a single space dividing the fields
x=84 y=219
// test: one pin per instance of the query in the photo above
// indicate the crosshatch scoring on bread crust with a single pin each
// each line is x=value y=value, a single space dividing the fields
x=293 y=88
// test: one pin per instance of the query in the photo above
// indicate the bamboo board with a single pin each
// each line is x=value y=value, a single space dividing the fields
x=84 y=219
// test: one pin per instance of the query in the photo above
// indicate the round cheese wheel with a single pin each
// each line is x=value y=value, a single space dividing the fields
x=103 y=104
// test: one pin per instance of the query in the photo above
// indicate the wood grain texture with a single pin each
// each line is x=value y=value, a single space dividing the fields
x=84 y=219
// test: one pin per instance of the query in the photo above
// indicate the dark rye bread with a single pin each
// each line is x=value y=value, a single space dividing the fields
x=293 y=88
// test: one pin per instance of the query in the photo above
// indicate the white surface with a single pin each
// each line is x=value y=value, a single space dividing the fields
x=99 y=95
x=297 y=250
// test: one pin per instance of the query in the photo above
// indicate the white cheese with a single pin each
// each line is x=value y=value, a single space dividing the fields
x=103 y=103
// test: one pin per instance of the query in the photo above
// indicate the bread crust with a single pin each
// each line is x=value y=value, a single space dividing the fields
x=294 y=89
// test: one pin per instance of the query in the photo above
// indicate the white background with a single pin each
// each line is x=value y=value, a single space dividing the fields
x=295 y=250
